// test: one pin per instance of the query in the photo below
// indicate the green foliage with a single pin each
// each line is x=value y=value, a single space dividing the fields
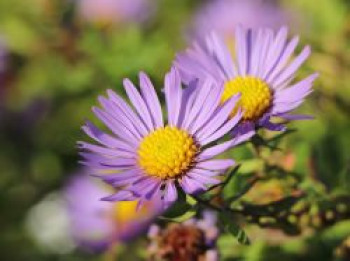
x=291 y=183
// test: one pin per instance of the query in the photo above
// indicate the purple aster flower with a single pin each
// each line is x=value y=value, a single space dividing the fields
x=223 y=16
x=194 y=239
x=115 y=11
x=96 y=224
x=260 y=68
x=146 y=158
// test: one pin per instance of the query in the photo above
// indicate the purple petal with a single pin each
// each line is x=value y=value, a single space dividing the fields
x=256 y=52
x=223 y=55
x=173 y=96
x=241 y=50
x=120 y=196
x=218 y=120
x=293 y=117
x=209 y=173
x=170 y=194
x=279 y=108
x=117 y=128
x=276 y=50
x=218 y=149
x=106 y=151
x=205 y=180
x=95 y=160
x=105 y=139
x=287 y=52
x=150 y=96
x=293 y=67
x=188 y=97
x=139 y=103
x=229 y=125
x=243 y=128
x=125 y=108
x=198 y=102
x=265 y=45
x=118 y=115
x=211 y=104
x=296 y=92
x=122 y=178
x=191 y=186
x=143 y=185
x=272 y=126
x=216 y=164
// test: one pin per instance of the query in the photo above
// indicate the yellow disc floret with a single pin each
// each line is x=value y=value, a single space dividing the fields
x=126 y=211
x=256 y=96
x=167 y=152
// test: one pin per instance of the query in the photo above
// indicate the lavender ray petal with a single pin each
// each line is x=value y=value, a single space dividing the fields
x=216 y=164
x=191 y=186
x=106 y=151
x=170 y=193
x=139 y=103
x=208 y=110
x=293 y=117
x=266 y=44
x=218 y=149
x=293 y=67
x=118 y=115
x=218 y=120
x=282 y=61
x=228 y=126
x=105 y=139
x=205 y=180
x=150 y=96
x=241 y=50
x=120 y=196
x=118 y=129
x=173 y=96
x=276 y=50
x=119 y=102
x=198 y=102
x=296 y=92
x=223 y=56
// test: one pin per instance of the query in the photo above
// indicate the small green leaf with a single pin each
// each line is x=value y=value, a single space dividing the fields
x=238 y=233
x=231 y=227
x=189 y=214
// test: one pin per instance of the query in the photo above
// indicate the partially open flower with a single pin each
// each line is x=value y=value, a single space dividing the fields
x=96 y=224
x=192 y=240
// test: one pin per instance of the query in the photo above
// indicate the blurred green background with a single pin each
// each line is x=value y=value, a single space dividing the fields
x=56 y=63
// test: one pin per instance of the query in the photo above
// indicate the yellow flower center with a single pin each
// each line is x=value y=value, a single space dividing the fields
x=167 y=152
x=125 y=211
x=256 y=96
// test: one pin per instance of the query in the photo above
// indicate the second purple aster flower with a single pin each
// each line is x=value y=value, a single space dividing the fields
x=144 y=157
x=259 y=67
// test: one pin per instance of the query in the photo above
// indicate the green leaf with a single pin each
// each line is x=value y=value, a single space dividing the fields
x=189 y=214
x=238 y=233
x=232 y=227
